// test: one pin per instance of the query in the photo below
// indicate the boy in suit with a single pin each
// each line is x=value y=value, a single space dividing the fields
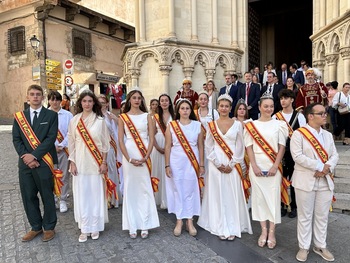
x=315 y=157
x=34 y=133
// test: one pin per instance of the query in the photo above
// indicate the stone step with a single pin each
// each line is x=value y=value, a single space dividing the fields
x=343 y=201
x=342 y=171
x=342 y=185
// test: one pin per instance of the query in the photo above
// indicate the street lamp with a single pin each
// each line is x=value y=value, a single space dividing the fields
x=35 y=43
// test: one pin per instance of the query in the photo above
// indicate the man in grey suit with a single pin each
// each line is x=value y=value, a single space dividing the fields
x=315 y=157
x=35 y=163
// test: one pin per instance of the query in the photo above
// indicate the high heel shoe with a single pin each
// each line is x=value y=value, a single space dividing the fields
x=178 y=228
x=271 y=244
x=144 y=234
x=190 y=228
x=262 y=238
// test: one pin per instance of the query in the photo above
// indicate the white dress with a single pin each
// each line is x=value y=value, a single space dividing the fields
x=89 y=192
x=266 y=191
x=139 y=207
x=158 y=167
x=112 y=159
x=182 y=188
x=224 y=208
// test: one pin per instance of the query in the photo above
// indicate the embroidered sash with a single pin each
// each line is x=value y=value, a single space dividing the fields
x=229 y=154
x=188 y=150
x=34 y=143
x=321 y=152
x=199 y=119
x=142 y=148
x=90 y=144
x=156 y=117
x=60 y=139
x=280 y=116
x=266 y=148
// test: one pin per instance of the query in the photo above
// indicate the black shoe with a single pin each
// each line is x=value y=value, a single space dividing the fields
x=283 y=212
x=293 y=213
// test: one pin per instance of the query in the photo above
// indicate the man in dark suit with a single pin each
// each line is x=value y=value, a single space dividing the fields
x=250 y=92
x=231 y=90
x=235 y=81
x=297 y=75
x=258 y=75
x=283 y=74
x=35 y=163
x=273 y=89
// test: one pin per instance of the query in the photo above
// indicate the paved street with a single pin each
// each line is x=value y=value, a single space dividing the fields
x=114 y=245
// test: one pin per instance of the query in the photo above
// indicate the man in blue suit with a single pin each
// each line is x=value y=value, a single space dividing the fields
x=250 y=92
x=35 y=163
x=297 y=75
x=231 y=90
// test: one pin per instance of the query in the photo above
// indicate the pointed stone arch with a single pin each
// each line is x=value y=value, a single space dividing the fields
x=334 y=43
x=202 y=58
x=223 y=61
x=346 y=36
x=320 y=51
x=141 y=56
x=179 y=55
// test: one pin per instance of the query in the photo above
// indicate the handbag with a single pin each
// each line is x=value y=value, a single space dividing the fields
x=346 y=109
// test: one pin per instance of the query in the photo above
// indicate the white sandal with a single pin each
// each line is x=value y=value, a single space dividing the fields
x=83 y=237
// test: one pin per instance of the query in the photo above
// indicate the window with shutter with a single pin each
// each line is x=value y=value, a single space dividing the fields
x=81 y=43
x=16 y=40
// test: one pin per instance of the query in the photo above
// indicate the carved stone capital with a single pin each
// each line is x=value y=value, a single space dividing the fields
x=332 y=59
x=135 y=73
x=345 y=52
x=209 y=73
x=319 y=64
x=165 y=69
x=188 y=71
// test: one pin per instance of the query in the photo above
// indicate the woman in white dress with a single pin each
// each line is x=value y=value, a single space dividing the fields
x=111 y=122
x=89 y=193
x=139 y=207
x=184 y=168
x=161 y=119
x=224 y=210
x=264 y=173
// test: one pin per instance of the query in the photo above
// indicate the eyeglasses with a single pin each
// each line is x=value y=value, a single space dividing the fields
x=323 y=114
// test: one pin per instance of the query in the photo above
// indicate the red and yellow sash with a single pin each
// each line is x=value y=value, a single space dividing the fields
x=60 y=139
x=265 y=147
x=280 y=117
x=156 y=117
x=113 y=143
x=90 y=144
x=321 y=152
x=199 y=119
x=34 y=143
x=229 y=154
x=188 y=150
x=142 y=148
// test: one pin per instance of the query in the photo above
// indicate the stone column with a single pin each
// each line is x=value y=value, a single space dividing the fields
x=345 y=54
x=234 y=24
x=214 y=20
x=322 y=13
x=194 y=33
x=135 y=73
x=165 y=70
x=188 y=72
x=137 y=21
x=142 y=21
x=335 y=9
x=319 y=64
x=332 y=60
x=172 y=18
x=209 y=73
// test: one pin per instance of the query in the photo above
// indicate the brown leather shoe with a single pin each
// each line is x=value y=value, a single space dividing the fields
x=48 y=235
x=30 y=235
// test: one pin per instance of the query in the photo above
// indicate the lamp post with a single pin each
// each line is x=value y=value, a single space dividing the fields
x=35 y=43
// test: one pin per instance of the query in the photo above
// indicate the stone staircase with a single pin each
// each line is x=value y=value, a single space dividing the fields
x=342 y=179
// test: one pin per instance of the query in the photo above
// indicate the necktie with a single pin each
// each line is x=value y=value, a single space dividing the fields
x=284 y=78
x=270 y=88
x=35 y=119
x=248 y=89
x=227 y=89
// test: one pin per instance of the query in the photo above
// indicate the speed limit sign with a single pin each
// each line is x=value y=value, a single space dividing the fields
x=68 y=80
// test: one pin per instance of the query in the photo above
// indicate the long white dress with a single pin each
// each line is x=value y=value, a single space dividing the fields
x=182 y=188
x=89 y=194
x=112 y=159
x=139 y=206
x=224 y=208
x=266 y=191
x=158 y=167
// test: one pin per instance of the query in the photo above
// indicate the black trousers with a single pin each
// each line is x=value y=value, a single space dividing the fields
x=32 y=182
x=288 y=169
x=343 y=124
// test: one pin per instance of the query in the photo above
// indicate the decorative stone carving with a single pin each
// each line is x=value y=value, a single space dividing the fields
x=164 y=52
x=134 y=73
x=143 y=59
x=200 y=60
x=332 y=59
x=319 y=64
x=221 y=62
x=188 y=71
x=209 y=73
x=345 y=52
x=190 y=52
x=177 y=58
x=165 y=69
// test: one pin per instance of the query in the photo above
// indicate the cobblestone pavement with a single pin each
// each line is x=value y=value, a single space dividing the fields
x=114 y=245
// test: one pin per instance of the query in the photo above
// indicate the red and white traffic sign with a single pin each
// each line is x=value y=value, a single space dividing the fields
x=69 y=67
x=68 y=64
x=68 y=81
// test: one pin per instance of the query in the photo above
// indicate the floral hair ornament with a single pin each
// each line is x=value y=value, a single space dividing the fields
x=225 y=97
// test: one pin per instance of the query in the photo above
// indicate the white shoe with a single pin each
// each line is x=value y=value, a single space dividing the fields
x=63 y=206
x=57 y=203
